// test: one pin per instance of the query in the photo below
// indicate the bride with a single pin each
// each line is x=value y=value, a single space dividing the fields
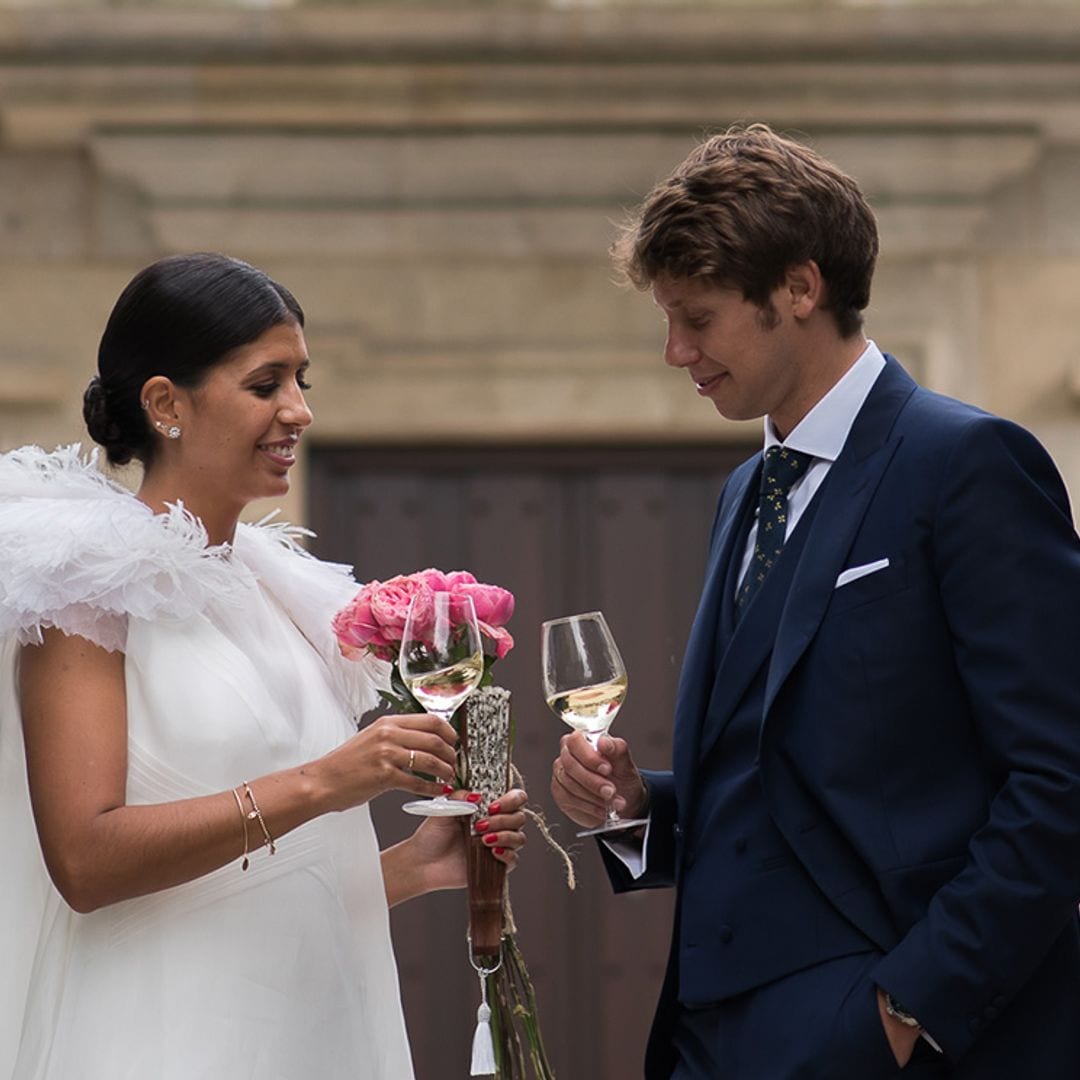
x=187 y=770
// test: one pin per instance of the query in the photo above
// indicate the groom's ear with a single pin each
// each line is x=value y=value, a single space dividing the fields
x=804 y=289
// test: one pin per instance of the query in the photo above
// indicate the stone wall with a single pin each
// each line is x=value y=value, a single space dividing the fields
x=438 y=184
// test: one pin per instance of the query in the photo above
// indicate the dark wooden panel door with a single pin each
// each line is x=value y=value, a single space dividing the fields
x=566 y=529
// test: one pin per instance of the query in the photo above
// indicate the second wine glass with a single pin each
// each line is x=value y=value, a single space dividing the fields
x=441 y=662
x=585 y=685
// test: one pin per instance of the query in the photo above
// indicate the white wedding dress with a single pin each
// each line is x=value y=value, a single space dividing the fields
x=284 y=972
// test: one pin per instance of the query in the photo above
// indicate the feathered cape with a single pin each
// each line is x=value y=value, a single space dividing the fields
x=80 y=553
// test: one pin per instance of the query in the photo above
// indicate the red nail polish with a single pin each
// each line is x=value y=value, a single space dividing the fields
x=500 y=851
x=495 y=808
x=474 y=797
x=482 y=826
x=448 y=789
x=492 y=839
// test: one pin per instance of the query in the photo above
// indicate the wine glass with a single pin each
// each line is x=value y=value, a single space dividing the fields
x=585 y=685
x=441 y=662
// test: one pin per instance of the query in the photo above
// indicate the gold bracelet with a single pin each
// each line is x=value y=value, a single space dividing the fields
x=243 y=820
x=255 y=814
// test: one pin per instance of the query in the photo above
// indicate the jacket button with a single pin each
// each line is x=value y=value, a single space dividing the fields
x=726 y=934
x=999 y=1002
x=740 y=845
x=678 y=831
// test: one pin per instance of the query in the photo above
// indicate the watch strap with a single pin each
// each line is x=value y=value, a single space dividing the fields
x=898 y=1012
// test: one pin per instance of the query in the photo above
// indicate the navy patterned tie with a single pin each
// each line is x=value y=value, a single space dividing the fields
x=782 y=468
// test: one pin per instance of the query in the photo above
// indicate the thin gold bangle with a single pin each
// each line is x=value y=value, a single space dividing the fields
x=255 y=814
x=243 y=821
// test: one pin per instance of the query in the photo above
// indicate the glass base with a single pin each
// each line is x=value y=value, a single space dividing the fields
x=439 y=807
x=614 y=825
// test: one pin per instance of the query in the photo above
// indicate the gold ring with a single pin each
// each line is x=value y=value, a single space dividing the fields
x=412 y=758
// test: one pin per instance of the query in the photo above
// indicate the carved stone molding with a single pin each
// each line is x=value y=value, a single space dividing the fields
x=440 y=186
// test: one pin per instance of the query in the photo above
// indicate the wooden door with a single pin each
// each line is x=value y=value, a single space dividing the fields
x=566 y=529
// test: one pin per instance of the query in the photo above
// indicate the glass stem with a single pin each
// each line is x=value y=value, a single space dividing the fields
x=454 y=780
x=593 y=739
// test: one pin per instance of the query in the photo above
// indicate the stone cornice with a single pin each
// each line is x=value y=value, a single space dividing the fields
x=65 y=75
x=935 y=109
x=412 y=33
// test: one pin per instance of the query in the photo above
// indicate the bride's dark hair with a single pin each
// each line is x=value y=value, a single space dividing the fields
x=178 y=318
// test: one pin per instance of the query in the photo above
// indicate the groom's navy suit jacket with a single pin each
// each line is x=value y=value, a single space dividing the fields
x=919 y=741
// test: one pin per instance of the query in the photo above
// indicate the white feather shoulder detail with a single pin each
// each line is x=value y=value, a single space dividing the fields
x=81 y=553
x=312 y=592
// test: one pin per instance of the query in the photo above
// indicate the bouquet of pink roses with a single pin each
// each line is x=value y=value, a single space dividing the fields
x=374 y=621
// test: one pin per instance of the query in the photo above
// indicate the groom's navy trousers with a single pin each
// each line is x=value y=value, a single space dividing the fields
x=877 y=775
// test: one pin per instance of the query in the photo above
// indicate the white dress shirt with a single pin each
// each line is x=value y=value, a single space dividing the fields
x=821 y=433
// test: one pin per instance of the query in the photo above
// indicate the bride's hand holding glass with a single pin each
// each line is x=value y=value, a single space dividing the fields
x=434 y=856
x=439 y=844
x=389 y=754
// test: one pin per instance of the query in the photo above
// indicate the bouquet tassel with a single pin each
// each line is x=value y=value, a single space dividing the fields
x=483 y=1048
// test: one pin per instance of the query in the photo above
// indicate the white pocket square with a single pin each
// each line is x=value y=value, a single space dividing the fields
x=853 y=573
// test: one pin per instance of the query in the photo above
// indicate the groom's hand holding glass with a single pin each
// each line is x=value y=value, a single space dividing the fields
x=584 y=781
x=585 y=684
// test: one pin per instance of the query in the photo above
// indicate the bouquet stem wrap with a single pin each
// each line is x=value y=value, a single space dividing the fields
x=485 y=750
x=486 y=737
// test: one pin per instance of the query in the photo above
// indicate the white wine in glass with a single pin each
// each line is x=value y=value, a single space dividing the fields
x=442 y=691
x=441 y=662
x=590 y=709
x=585 y=685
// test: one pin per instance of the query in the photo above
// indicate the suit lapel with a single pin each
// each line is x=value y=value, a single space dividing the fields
x=845 y=496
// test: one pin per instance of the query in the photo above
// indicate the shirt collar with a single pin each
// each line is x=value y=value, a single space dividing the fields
x=823 y=431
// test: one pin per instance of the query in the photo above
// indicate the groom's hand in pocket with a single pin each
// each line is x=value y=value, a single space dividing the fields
x=584 y=781
x=902 y=1038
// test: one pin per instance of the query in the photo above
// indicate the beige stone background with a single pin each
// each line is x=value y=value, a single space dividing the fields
x=438 y=184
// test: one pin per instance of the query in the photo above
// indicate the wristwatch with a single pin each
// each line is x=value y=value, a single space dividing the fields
x=898 y=1012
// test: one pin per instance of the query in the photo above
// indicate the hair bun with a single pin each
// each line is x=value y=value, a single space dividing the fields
x=102 y=426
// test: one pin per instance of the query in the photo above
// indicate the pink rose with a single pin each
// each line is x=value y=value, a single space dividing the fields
x=434 y=579
x=354 y=625
x=390 y=603
x=494 y=606
x=500 y=638
x=459 y=577
x=358 y=631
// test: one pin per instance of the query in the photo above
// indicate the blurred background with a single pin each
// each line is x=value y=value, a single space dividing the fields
x=439 y=183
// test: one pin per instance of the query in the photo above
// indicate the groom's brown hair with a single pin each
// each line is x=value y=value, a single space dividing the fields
x=744 y=207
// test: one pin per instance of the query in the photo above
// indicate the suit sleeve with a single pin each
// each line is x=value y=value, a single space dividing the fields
x=660 y=855
x=1007 y=560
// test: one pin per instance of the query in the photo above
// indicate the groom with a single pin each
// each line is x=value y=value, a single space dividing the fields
x=873 y=821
